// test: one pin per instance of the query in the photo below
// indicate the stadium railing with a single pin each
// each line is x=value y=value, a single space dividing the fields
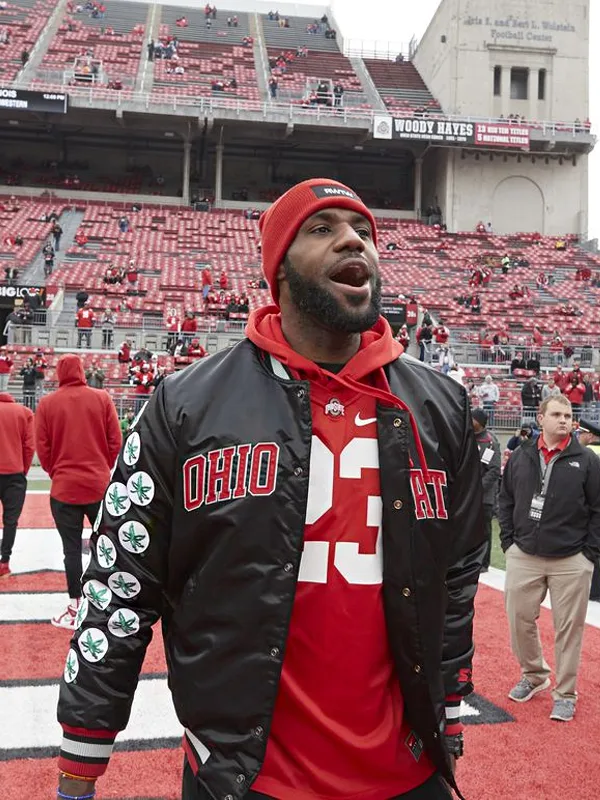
x=585 y=350
x=504 y=418
x=92 y=95
x=213 y=335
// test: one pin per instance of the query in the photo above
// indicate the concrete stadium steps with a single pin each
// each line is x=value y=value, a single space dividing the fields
x=296 y=35
x=219 y=32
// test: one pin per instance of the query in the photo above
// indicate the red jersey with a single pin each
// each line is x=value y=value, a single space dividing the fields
x=441 y=334
x=172 y=324
x=85 y=318
x=338 y=729
x=189 y=325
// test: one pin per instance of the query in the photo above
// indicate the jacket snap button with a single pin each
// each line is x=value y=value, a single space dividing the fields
x=288 y=567
x=435 y=734
x=274 y=652
x=228 y=797
x=417 y=668
x=406 y=592
x=240 y=778
x=300 y=393
x=298 y=471
x=397 y=423
x=258 y=731
x=397 y=504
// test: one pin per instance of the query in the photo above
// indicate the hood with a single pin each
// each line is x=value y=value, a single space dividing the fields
x=6 y=398
x=70 y=371
x=364 y=372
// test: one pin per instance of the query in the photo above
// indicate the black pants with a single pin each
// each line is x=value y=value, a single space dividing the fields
x=595 y=590
x=488 y=513
x=69 y=522
x=12 y=496
x=433 y=789
x=84 y=333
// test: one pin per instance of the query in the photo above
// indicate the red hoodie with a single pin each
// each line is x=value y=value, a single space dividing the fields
x=338 y=728
x=16 y=435
x=6 y=363
x=77 y=436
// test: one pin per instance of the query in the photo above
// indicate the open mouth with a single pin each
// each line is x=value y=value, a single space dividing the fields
x=352 y=273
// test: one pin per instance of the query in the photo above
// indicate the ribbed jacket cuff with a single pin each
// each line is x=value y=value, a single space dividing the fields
x=453 y=724
x=85 y=753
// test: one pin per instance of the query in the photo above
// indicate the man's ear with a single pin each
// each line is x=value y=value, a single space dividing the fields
x=280 y=272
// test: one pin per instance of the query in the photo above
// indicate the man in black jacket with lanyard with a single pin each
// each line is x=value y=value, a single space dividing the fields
x=490 y=462
x=549 y=515
x=304 y=512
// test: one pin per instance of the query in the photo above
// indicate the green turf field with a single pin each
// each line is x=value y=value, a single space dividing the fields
x=498 y=559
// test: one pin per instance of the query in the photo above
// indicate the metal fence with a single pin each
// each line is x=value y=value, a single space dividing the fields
x=212 y=106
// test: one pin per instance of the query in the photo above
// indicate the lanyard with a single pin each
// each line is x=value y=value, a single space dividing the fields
x=546 y=471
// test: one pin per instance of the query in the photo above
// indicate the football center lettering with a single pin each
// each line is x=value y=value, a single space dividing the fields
x=230 y=473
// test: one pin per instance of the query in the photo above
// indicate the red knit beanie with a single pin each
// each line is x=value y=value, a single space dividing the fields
x=280 y=224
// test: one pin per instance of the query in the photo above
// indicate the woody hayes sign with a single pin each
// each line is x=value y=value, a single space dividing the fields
x=446 y=131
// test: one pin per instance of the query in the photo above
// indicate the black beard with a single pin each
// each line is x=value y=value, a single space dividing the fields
x=320 y=305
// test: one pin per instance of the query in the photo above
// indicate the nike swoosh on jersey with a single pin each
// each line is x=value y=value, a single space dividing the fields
x=360 y=423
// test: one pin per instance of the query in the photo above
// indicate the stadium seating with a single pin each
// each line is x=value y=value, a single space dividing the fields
x=170 y=248
x=317 y=65
x=401 y=87
x=296 y=35
x=24 y=20
x=114 y=42
x=207 y=56
x=26 y=222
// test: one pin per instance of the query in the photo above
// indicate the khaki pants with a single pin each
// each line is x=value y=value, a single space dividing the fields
x=527 y=580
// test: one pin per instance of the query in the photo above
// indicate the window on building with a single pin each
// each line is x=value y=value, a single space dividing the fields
x=542 y=84
x=519 y=78
x=497 y=81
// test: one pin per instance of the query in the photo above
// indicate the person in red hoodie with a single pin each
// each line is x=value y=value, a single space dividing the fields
x=16 y=453
x=77 y=439
x=575 y=391
x=6 y=364
x=284 y=514
x=189 y=326
x=143 y=379
x=441 y=334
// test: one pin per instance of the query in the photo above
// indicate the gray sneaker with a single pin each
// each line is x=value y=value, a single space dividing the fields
x=525 y=690
x=563 y=710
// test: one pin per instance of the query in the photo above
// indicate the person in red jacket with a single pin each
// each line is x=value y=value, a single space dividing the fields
x=223 y=280
x=575 y=391
x=172 y=324
x=124 y=353
x=189 y=326
x=441 y=334
x=560 y=379
x=16 y=453
x=206 y=283
x=403 y=336
x=85 y=323
x=143 y=379
x=77 y=439
x=195 y=350
x=6 y=364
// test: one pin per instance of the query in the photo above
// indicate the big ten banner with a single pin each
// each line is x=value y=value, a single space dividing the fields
x=16 y=295
x=498 y=134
